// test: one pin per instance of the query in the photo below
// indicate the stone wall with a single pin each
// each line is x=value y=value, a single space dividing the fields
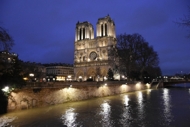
x=57 y=93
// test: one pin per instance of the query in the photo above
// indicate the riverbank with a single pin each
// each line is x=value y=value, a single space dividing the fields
x=57 y=93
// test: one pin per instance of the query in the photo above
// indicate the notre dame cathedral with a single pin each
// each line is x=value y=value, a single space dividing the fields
x=91 y=56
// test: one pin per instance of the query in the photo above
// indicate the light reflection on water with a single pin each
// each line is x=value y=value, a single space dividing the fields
x=126 y=100
x=166 y=98
x=126 y=118
x=105 y=113
x=140 y=108
x=167 y=105
x=148 y=108
x=140 y=102
x=69 y=118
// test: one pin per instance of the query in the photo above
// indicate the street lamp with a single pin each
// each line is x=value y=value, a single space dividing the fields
x=31 y=75
x=5 y=89
x=69 y=77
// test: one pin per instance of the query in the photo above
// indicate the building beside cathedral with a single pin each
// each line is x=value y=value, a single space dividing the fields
x=91 y=57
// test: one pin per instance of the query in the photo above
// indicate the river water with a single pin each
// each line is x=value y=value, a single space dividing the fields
x=165 y=107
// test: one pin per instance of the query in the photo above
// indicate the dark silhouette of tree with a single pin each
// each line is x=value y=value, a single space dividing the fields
x=113 y=59
x=6 y=42
x=12 y=77
x=110 y=74
x=3 y=103
x=135 y=55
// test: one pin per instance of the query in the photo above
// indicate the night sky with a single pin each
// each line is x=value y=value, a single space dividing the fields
x=44 y=30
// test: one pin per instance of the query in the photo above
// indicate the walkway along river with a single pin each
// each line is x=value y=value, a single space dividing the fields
x=164 y=107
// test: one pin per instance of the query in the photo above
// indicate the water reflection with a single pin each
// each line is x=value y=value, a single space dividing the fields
x=69 y=118
x=106 y=113
x=167 y=105
x=164 y=108
x=4 y=121
x=140 y=107
x=126 y=118
x=126 y=100
x=148 y=91
x=140 y=100
x=166 y=99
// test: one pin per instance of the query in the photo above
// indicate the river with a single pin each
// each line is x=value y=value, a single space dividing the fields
x=164 y=107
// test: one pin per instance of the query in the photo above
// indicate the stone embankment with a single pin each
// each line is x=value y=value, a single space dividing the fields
x=46 y=94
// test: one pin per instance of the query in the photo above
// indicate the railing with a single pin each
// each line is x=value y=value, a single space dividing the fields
x=66 y=84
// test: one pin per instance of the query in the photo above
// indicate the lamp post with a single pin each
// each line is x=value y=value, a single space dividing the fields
x=31 y=75
x=69 y=78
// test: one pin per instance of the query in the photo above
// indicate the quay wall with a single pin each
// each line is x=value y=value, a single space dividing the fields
x=40 y=95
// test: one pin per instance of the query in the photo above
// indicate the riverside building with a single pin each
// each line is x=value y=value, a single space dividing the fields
x=59 y=73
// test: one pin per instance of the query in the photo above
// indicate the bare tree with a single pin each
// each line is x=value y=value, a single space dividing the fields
x=113 y=59
x=6 y=42
x=185 y=21
x=136 y=55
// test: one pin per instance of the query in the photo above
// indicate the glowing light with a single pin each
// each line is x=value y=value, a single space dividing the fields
x=105 y=113
x=5 y=89
x=167 y=106
x=148 y=85
x=140 y=97
x=25 y=78
x=123 y=85
x=126 y=115
x=80 y=77
x=141 y=105
x=138 y=85
x=69 y=78
x=31 y=75
x=126 y=100
x=148 y=91
x=69 y=117
x=60 y=78
x=105 y=84
x=124 y=88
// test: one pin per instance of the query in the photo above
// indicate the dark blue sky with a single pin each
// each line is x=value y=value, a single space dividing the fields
x=44 y=30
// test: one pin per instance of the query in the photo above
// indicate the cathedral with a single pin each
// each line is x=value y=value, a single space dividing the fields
x=91 y=56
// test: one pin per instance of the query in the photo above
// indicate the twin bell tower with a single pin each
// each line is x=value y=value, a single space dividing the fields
x=91 y=56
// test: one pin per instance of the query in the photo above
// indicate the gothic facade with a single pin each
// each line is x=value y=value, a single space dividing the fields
x=91 y=56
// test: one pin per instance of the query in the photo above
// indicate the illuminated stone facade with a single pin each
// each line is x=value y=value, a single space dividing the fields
x=91 y=56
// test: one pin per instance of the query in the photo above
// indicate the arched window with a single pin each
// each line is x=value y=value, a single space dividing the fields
x=80 y=34
x=106 y=30
x=83 y=33
x=102 y=30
